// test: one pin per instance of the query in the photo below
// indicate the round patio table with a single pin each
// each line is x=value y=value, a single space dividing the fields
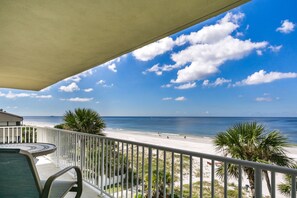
x=36 y=149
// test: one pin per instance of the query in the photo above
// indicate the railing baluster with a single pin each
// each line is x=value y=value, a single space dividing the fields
x=191 y=178
x=272 y=184
x=181 y=174
x=132 y=168
x=258 y=182
x=239 y=181
x=102 y=165
x=122 y=171
x=150 y=173
x=201 y=177
x=127 y=169
x=114 y=168
x=157 y=179
x=164 y=174
x=293 y=186
x=142 y=175
x=110 y=146
x=225 y=179
x=137 y=170
x=106 y=164
x=212 y=178
x=172 y=175
x=118 y=168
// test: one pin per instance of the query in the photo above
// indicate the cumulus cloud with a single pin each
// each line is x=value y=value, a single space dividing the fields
x=167 y=98
x=104 y=84
x=88 y=90
x=186 y=86
x=70 y=88
x=11 y=95
x=44 y=96
x=152 y=50
x=262 y=76
x=77 y=78
x=205 y=59
x=77 y=99
x=155 y=68
x=209 y=48
x=217 y=82
x=181 y=98
x=286 y=27
x=275 y=48
x=100 y=82
x=263 y=99
x=112 y=64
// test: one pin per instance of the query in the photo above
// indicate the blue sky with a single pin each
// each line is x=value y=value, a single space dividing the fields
x=240 y=63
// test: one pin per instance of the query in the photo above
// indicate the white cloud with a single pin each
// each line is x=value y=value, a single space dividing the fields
x=166 y=86
x=107 y=86
x=263 y=99
x=104 y=84
x=276 y=48
x=209 y=48
x=286 y=27
x=101 y=82
x=155 y=68
x=112 y=67
x=70 y=88
x=205 y=59
x=75 y=78
x=11 y=95
x=77 y=99
x=168 y=98
x=262 y=76
x=112 y=64
x=217 y=82
x=88 y=90
x=152 y=50
x=44 y=96
x=186 y=86
x=181 y=98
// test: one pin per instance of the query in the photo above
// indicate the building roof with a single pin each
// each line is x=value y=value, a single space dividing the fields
x=43 y=42
x=4 y=116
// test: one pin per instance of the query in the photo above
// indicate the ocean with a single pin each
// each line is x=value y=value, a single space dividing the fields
x=194 y=126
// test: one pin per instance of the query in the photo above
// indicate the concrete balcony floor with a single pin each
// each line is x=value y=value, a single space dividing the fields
x=46 y=168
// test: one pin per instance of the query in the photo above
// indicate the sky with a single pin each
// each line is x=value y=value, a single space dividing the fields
x=240 y=63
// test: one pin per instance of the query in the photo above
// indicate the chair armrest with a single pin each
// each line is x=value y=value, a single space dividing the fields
x=51 y=179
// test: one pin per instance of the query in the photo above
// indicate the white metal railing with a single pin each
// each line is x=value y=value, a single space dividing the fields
x=120 y=168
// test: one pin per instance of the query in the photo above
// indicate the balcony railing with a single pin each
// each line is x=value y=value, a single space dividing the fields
x=120 y=168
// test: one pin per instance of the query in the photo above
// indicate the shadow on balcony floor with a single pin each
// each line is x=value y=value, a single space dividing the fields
x=46 y=168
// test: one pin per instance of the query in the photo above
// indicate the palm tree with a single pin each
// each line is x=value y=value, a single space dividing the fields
x=250 y=141
x=84 y=120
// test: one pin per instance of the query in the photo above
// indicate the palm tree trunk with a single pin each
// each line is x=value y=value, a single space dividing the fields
x=267 y=181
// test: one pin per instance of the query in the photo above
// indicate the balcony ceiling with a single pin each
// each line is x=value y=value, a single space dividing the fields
x=43 y=42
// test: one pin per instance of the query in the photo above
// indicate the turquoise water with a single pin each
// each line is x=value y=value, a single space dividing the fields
x=199 y=126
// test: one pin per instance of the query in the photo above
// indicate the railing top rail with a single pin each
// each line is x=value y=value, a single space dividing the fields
x=244 y=163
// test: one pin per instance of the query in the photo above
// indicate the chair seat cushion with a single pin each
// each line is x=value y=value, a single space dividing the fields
x=60 y=188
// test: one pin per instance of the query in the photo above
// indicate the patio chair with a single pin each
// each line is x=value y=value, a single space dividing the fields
x=19 y=178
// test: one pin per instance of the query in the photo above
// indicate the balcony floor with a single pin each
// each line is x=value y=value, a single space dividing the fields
x=46 y=168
